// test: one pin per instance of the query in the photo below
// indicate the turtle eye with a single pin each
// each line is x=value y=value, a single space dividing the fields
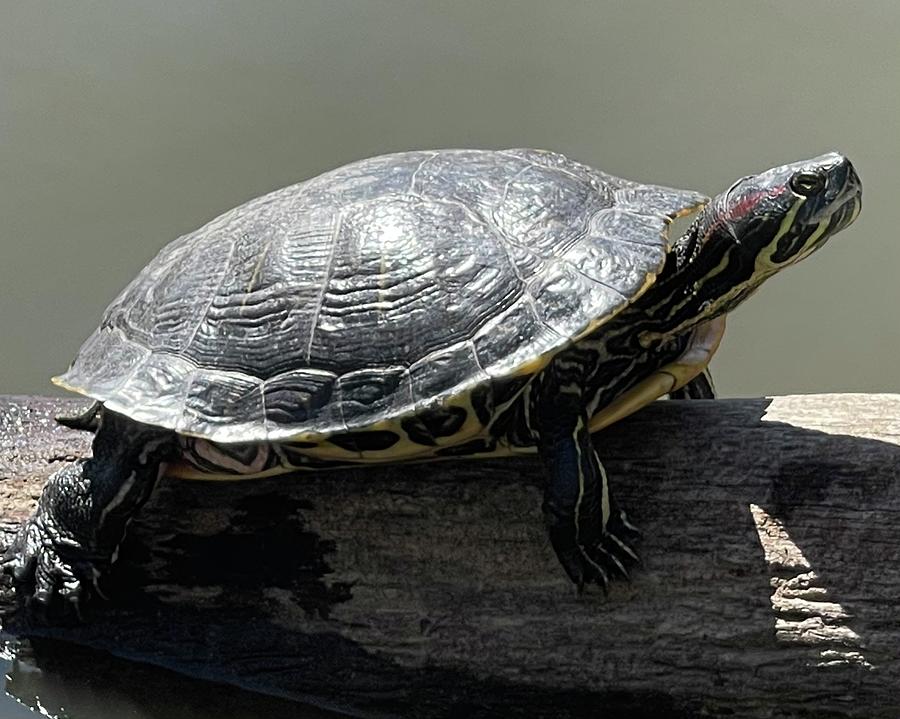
x=808 y=183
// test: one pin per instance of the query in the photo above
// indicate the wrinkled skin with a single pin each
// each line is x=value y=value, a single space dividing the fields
x=71 y=539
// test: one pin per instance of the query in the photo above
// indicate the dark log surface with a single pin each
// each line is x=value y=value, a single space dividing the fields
x=770 y=585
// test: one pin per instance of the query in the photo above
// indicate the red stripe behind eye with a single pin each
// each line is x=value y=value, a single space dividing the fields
x=753 y=199
x=743 y=207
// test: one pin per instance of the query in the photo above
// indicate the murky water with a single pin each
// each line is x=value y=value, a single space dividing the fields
x=62 y=681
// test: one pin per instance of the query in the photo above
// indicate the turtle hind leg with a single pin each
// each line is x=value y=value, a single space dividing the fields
x=590 y=535
x=701 y=387
x=88 y=420
x=61 y=551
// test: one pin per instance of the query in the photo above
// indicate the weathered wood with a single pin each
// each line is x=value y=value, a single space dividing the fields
x=770 y=585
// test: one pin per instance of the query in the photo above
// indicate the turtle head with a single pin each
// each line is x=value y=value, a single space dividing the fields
x=777 y=218
x=758 y=226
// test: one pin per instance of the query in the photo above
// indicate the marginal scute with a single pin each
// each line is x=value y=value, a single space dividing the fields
x=215 y=397
x=360 y=298
x=374 y=389
x=510 y=338
x=441 y=369
x=107 y=347
x=161 y=381
x=297 y=397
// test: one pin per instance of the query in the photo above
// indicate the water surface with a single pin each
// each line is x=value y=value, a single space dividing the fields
x=63 y=681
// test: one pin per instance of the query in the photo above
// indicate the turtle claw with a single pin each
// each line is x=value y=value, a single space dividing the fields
x=619 y=528
x=594 y=572
x=626 y=524
x=613 y=560
x=607 y=557
x=624 y=549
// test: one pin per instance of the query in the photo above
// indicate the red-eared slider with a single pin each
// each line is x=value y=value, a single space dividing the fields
x=416 y=306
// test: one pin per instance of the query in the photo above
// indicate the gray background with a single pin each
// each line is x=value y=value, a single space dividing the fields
x=125 y=124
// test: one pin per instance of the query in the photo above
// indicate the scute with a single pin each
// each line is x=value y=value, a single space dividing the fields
x=375 y=292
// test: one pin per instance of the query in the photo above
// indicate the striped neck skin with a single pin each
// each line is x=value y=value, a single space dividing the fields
x=756 y=228
x=701 y=266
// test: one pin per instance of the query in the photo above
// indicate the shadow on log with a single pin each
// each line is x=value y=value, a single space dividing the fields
x=770 y=584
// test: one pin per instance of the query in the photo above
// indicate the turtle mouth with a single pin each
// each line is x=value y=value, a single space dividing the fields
x=846 y=212
x=827 y=225
x=845 y=204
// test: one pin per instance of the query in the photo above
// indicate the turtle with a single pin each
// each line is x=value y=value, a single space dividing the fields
x=418 y=306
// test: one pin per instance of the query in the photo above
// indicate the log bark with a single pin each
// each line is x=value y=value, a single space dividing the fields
x=769 y=588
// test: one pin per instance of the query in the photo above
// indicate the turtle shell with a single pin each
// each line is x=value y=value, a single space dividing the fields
x=374 y=291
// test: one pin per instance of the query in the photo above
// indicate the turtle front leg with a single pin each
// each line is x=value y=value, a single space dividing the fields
x=55 y=549
x=589 y=533
x=73 y=535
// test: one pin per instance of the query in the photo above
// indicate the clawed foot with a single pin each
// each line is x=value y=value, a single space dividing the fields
x=600 y=560
x=49 y=571
x=48 y=560
x=60 y=553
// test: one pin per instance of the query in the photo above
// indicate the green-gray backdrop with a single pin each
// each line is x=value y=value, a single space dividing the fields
x=124 y=124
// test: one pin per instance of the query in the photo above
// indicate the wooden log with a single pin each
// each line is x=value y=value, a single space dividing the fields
x=770 y=585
